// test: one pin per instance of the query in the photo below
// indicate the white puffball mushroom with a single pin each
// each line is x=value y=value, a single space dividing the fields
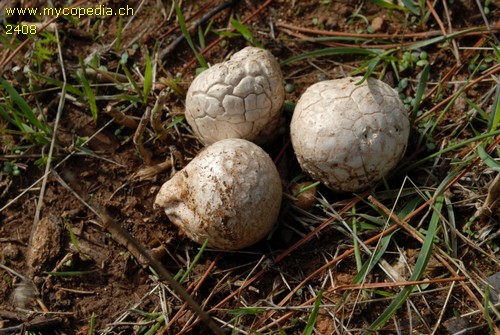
x=229 y=194
x=239 y=98
x=349 y=136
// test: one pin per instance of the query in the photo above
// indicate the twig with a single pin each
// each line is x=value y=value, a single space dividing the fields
x=120 y=118
x=124 y=238
x=138 y=137
x=150 y=172
x=164 y=54
x=156 y=113
x=34 y=326
x=192 y=290
x=398 y=36
x=218 y=40
x=189 y=19
x=450 y=29
x=443 y=30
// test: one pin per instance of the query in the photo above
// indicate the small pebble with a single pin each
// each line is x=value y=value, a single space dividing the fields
x=305 y=198
x=289 y=87
x=10 y=251
x=377 y=24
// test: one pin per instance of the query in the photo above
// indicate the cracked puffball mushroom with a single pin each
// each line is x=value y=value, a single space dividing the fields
x=349 y=135
x=229 y=194
x=239 y=98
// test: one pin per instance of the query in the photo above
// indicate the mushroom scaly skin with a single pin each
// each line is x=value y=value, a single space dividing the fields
x=239 y=98
x=229 y=194
x=349 y=136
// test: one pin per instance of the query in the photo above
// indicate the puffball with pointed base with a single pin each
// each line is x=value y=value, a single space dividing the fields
x=349 y=136
x=240 y=98
x=229 y=194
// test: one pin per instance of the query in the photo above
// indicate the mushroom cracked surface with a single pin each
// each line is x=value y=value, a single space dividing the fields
x=240 y=98
x=229 y=194
x=349 y=136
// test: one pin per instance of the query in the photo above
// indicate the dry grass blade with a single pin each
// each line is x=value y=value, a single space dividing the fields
x=492 y=202
x=396 y=284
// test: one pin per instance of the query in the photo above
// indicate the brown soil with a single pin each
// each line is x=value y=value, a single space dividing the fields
x=99 y=278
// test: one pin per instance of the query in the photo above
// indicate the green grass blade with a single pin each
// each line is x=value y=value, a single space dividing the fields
x=420 y=92
x=420 y=265
x=148 y=78
x=6 y=116
x=160 y=321
x=486 y=158
x=308 y=330
x=72 y=237
x=495 y=111
x=187 y=36
x=89 y=93
x=371 y=65
x=201 y=38
x=486 y=304
x=118 y=41
x=57 y=83
x=245 y=32
x=480 y=111
x=388 y=5
x=355 y=240
x=132 y=81
x=440 y=39
x=374 y=259
x=426 y=251
x=194 y=262
x=384 y=241
x=373 y=219
x=332 y=51
x=26 y=110
x=92 y=324
x=176 y=121
x=411 y=6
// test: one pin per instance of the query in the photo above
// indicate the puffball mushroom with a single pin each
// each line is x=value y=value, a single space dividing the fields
x=229 y=194
x=349 y=136
x=239 y=98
